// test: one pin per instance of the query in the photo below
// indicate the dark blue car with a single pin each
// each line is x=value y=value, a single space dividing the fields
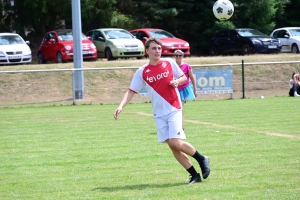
x=243 y=41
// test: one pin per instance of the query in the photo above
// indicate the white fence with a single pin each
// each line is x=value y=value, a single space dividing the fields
x=107 y=85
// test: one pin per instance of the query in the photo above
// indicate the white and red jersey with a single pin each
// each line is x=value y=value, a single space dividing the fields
x=156 y=79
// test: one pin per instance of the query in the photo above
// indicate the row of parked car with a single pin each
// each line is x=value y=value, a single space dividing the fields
x=247 y=41
x=110 y=43
x=114 y=43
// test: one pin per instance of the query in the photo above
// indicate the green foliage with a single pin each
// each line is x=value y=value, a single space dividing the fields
x=258 y=14
x=191 y=20
x=123 y=21
x=97 y=13
x=288 y=14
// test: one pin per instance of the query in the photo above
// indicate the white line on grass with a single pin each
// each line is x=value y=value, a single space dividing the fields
x=232 y=127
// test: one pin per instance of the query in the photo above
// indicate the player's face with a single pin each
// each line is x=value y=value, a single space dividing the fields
x=154 y=51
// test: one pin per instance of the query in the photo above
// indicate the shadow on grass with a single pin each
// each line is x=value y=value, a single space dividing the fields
x=137 y=187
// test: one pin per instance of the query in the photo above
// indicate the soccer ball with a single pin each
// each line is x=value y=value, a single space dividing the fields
x=223 y=9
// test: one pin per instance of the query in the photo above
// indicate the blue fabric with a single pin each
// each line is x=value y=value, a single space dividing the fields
x=187 y=93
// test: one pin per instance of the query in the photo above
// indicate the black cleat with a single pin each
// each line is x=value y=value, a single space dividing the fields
x=194 y=179
x=205 y=168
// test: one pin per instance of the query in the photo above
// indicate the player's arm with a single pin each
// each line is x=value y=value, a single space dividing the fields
x=126 y=99
x=193 y=80
x=181 y=80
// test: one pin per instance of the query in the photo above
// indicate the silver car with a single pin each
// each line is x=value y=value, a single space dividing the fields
x=289 y=38
x=13 y=49
x=113 y=43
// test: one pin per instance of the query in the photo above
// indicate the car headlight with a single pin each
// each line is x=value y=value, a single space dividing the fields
x=68 y=47
x=118 y=45
x=93 y=46
x=2 y=53
x=187 y=44
x=255 y=41
x=27 y=52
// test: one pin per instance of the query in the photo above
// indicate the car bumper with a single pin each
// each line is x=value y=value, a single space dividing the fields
x=127 y=52
x=87 y=55
x=170 y=52
x=17 y=59
x=267 y=49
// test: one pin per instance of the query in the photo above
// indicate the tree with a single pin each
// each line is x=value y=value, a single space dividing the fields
x=288 y=13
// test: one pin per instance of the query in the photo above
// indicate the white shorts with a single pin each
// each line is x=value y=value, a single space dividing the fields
x=170 y=126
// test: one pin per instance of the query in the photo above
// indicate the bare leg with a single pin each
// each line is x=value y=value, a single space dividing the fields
x=180 y=149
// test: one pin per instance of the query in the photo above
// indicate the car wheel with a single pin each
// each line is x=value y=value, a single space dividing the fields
x=41 y=59
x=109 y=54
x=213 y=51
x=295 y=49
x=59 y=58
x=246 y=49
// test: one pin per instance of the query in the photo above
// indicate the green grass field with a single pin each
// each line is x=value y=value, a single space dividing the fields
x=81 y=152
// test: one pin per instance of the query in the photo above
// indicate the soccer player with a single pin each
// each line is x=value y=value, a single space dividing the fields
x=161 y=78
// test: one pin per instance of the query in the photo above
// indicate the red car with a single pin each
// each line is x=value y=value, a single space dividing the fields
x=58 y=46
x=170 y=42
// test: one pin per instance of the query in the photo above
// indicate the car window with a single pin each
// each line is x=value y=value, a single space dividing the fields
x=249 y=32
x=295 y=32
x=276 y=34
x=280 y=34
x=11 y=39
x=97 y=34
x=160 y=34
x=67 y=35
x=49 y=36
x=115 y=34
x=141 y=35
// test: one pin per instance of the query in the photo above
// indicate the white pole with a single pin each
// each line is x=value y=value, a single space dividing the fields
x=77 y=54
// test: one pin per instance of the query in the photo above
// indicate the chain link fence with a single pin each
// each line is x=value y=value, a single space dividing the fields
x=108 y=85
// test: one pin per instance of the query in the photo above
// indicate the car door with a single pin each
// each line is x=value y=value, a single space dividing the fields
x=233 y=42
x=141 y=35
x=222 y=42
x=285 y=41
x=49 y=46
x=99 y=41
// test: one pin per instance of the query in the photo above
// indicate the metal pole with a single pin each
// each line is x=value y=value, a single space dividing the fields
x=231 y=94
x=73 y=86
x=77 y=54
x=243 y=79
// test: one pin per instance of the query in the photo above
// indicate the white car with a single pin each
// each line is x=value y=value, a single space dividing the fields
x=289 y=38
x=13 y=49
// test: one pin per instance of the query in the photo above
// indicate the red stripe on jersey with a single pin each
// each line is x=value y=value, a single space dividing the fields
x=158 y=77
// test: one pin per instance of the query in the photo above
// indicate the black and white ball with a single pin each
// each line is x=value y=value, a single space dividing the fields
x=223 y=9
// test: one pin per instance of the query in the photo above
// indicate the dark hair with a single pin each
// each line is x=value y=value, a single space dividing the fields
x=152 y=39
x=295 y=72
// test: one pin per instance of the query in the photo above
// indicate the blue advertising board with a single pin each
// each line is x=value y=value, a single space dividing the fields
x=212 y=81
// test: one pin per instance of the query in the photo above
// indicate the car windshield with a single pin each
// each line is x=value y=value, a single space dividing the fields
x=11 y=40
x=160 y=34
x=116 y=34
x=249 y=32
x=295 y=32
x=68 y=36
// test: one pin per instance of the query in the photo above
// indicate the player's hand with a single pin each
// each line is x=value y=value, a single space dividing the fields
x=117 y=112
x=174 y=83
x=195 y=92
